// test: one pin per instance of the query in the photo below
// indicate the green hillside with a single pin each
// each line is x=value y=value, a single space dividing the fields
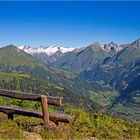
x=12 y=56
x=29 y=84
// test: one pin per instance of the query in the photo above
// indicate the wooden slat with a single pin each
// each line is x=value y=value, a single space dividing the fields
x=61 y=118
x=54 y=100
x=52 y=116
x=8 y=110
x=34 y=97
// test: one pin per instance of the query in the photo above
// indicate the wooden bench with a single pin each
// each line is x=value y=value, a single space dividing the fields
x=45 y=100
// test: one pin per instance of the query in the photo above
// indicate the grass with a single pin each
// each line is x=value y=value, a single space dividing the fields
x=9 y=129
x=99 y=126
x=86 y=125
x=102 y=126
x=27 y=123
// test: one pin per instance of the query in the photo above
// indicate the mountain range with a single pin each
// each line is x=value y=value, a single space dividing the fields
x=52 y=54
x=46 y=54
x=97 y=77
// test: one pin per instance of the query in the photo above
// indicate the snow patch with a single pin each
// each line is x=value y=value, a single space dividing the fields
x=47 y=50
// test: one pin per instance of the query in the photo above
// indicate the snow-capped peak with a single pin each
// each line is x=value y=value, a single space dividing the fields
x=24 y=47
x=47 y=50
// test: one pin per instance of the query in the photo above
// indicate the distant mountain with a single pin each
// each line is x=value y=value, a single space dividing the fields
x=120 y=64
x=46 y=54
x=122 y=72
x=48 y=59
x=47 y=50
x=87 y=58
x=58 y=54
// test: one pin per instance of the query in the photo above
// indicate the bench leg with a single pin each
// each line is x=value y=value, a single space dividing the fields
x=10 y=116
x=45 y=110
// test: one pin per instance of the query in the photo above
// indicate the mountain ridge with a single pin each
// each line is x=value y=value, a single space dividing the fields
x=86 y=58
x=47 y=50
x=52 y=54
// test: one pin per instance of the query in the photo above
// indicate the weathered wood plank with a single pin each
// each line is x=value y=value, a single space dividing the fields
x=52 y=116
x=55 y=117
x=8 y=110
x=34 y=97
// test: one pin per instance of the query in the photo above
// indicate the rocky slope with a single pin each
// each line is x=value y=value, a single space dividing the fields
x=87 y=58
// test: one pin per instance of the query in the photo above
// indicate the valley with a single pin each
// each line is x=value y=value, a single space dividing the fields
x=106 y=74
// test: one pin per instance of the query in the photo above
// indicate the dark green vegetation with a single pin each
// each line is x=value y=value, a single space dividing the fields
x=29 y=84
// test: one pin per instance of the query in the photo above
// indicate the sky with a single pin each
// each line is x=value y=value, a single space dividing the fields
x=68 y=23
